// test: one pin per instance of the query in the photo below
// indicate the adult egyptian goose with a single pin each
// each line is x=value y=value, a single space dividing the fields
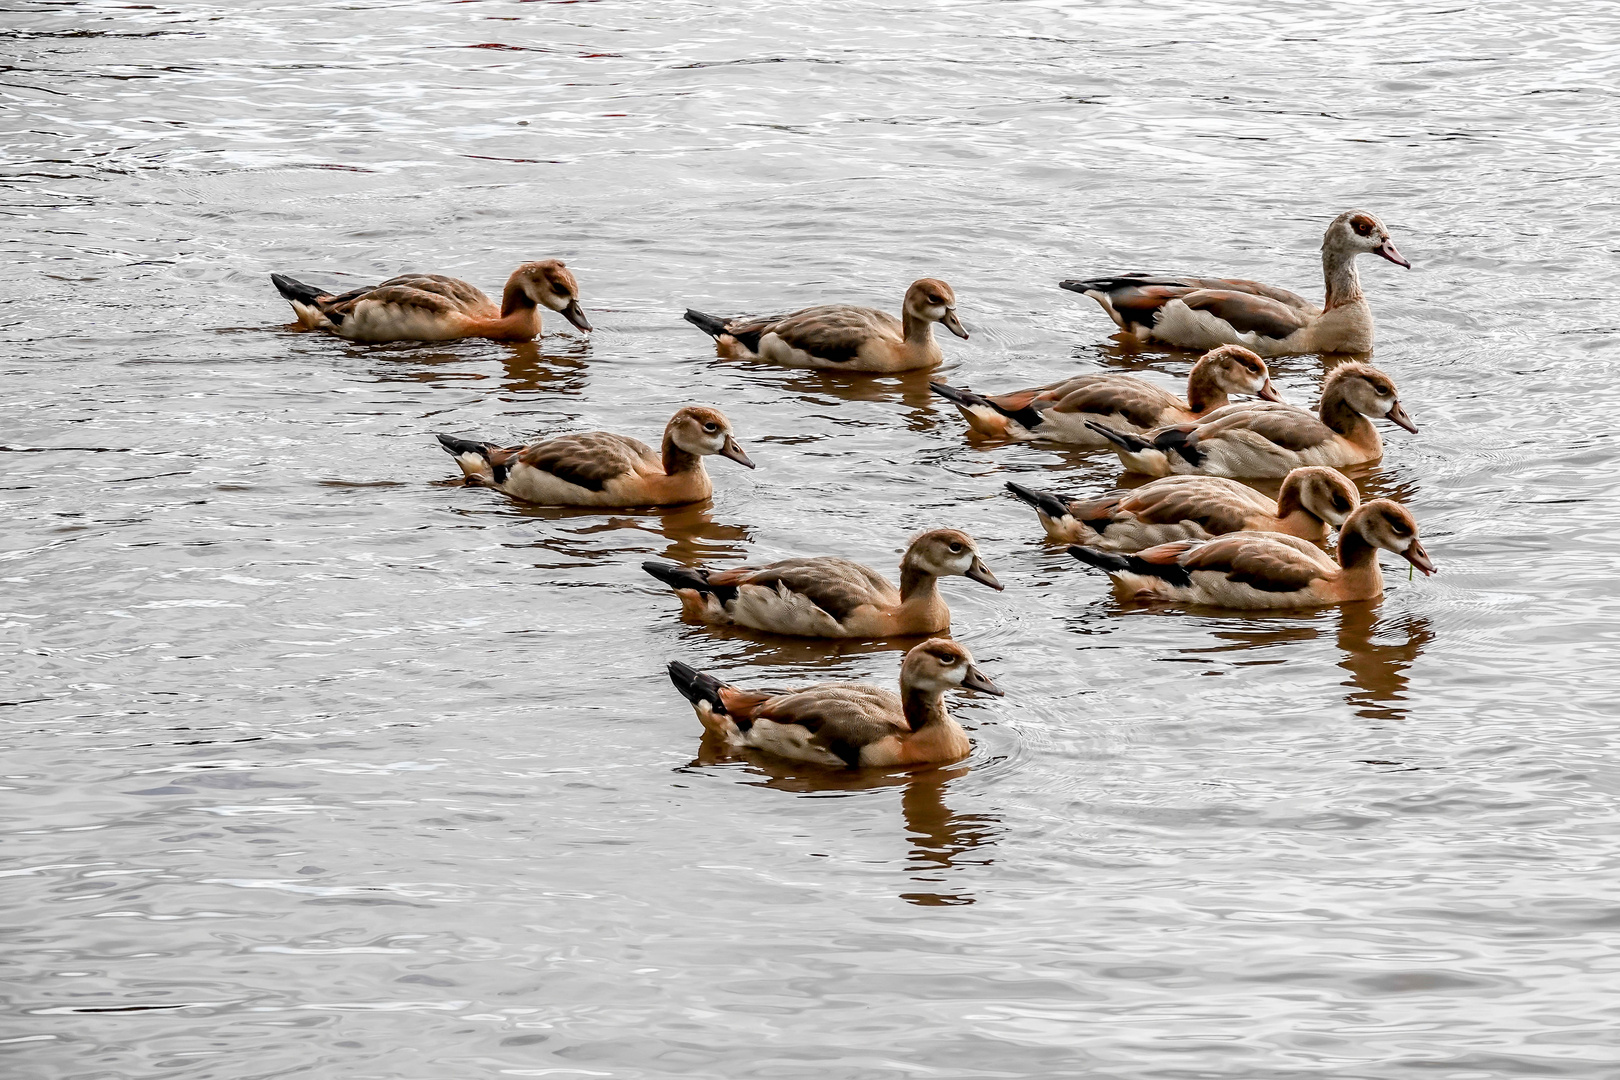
x=1200 y=312
x=1268 y=570
x=597 y=468
x=1197 y=508
x=845 y=724
x=838 y=337
x=431 y=307
x=1262 y=439
x=832 y=597
x=1060 y=411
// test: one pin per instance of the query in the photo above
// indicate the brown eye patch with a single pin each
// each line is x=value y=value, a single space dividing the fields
x=943 y=657
x=1363 y=225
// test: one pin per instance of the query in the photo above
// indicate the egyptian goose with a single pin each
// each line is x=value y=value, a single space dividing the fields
x=1262 y=439
x=597 y=468
x=832 y=597
x=1268 y=570
x=845 y=724
x=1129 y=403
x=431 y=307
x=1199 y=312
x=1197 y=508
x=839 y=337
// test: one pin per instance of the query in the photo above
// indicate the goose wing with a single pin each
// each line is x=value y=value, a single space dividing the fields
x=1136 y=400
x=1217 y=504
x=1269 y=562
x=590 y=460
x=1286 y=426
x=837 y=586
x=832 y=332
x=1137 y=298
x=1249 y=313
x=467 y=297
x=839 y=718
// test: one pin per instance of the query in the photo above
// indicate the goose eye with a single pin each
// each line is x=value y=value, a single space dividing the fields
x=955 y=547
x=711 y=426
x=1341 y=503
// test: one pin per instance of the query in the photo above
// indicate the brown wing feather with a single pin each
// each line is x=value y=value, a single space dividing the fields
x=401 y=295
x=833 y=332
x=1248 y=313
x=1264 y=561
x=842 y=717
x=1284 y=425
x=1138 y=401
x=1219 y=506
x=836 y=586
x=589 y=460
x=458 y=292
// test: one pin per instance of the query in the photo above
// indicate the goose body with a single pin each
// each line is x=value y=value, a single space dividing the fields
x=1197 y=508
x=1201 y=312
x=432 y=307
x=598 y=468
x=1256 y=571
x=845 y=724
x=832 y=597
x=1060 y=410
x=839 y=337
x=1266 y=439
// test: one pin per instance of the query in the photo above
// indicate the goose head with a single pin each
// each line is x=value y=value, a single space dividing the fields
x=1236 y=370
x=703 y=431
x=1386 y=524
x=1324 y=492
x=944 y=552
x=938 y=665
x=1356 y=232
x=1368 y=391
x=551 y=284
x=931 y=300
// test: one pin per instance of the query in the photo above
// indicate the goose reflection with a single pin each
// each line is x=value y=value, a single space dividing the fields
x=1378 y=670
x=689 y=532
x=943 y=840
x=554 y=365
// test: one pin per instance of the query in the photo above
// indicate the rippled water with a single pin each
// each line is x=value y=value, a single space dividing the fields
x=319 y=765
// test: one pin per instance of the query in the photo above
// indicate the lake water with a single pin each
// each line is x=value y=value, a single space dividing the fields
x=320 y=765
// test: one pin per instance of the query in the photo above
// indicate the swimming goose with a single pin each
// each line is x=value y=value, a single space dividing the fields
x=840 y=337
x=1268 y=570
x=845 y=724
x=1199 y=312
x=1261 y=439
x=1060 y=411
x=1197 y=508
x=431 y=307
x=832 y=597
x=597 y=468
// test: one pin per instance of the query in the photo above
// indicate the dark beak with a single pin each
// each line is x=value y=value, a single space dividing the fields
x=978 y=680
x=1398 y=415
x=1418 y=558
x=735 y=452
x=574 y=314
x=1387 y=250
x=1269 y=392
x=981 y=573
x=953 y=324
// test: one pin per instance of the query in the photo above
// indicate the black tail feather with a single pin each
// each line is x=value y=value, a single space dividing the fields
x=1118 y=281
x=1125 y=440
x=967 y=399
x=456 y=447
x=709 y=324
x=1113 y=563
x=1044 y=501
x=689 y=577
x=295 y=290
x=695 y=686
x=1179 y=441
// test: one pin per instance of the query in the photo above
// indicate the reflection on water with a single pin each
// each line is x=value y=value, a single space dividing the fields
x=1379 y=669
x=943 y=840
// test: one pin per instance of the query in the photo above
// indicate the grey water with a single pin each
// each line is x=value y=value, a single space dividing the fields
x=317 y=764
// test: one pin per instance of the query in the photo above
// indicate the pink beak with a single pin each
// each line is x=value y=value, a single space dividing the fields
x=1387 y=250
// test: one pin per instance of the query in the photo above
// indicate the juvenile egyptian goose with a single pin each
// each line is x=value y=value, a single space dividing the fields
x=1268 y=570
x=597 y=468
x=1129 y=403
x=845 y=724
x=832 y=597
x=1197 y=508
x=839 y=337
x=1200 y=312
x=1262 y=439
x=431 y=307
